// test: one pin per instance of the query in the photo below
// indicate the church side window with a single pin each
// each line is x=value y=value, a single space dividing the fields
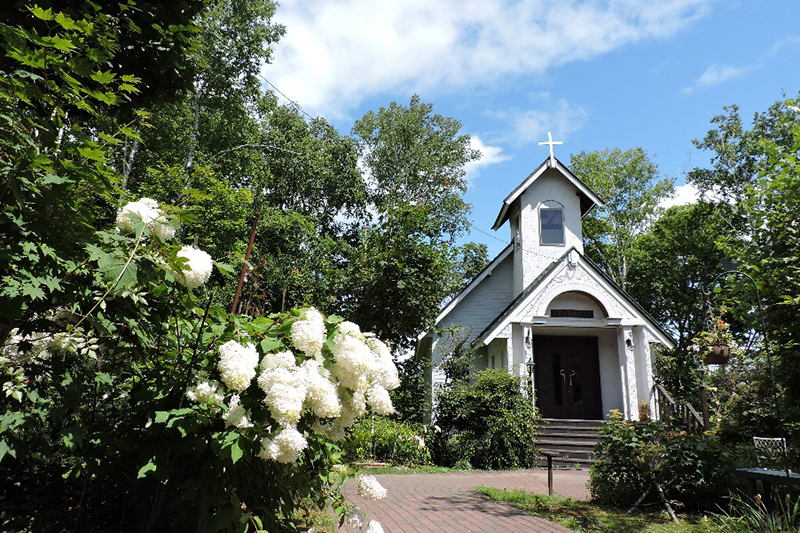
x=552 y=225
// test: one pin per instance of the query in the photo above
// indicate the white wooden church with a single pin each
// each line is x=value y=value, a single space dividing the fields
x=542 y=305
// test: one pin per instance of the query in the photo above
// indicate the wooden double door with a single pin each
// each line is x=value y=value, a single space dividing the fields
x=567 y=377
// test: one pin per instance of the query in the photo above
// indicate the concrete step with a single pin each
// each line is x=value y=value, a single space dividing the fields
x=572 y=440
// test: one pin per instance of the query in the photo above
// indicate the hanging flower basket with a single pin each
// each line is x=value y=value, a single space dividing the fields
x=717 y=354
x=715 y=346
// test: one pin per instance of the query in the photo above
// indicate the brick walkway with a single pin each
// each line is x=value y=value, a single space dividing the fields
x=448 y=502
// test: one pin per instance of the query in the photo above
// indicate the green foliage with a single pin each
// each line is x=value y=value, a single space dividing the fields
x=389 y=441
x=486 y=424
x=695 y=470
x=99 y=342
x=755 y=171
x=589 y=516
x=152 y=45
x=685 y=266
x=744 y=515
x=631 y=187
x=410 y=399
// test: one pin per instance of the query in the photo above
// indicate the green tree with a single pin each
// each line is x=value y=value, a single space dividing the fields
x=674 y=264
x=155 y=42
x=673 y=267
x=738 y=154
x=474 y=258
x=116 y=410
x=631 y=187
x=405 y=262
x=772 y=252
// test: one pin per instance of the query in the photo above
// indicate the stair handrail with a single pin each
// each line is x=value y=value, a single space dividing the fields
x=695 y=422
x=670 y=410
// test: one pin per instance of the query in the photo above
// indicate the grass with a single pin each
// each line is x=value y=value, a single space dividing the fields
x=390 y=469
x=587 y=516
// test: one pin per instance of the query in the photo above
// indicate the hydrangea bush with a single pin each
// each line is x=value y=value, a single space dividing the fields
x=145 y=407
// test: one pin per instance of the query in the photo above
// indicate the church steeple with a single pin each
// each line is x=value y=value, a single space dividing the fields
x=544 y=214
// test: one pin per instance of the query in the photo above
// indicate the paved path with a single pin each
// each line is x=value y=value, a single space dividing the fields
x=444 y=503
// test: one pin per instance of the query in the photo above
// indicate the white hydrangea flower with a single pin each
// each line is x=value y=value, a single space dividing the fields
x=349 y=328
x=146 y=208
x=286 y=391
x=354 y=522
x=152 y=216
x=197 y=269
x=163 y=228
x=237 y=415
x=353 y=403
x=379 y=400
x=237 y=364
x=322 y=396
x=205 y=390
x=385 y=372
x=308 y=333
x=284 y=359
x=369 y=488
x=374 y=527
x=285 y=447
x=354 y=361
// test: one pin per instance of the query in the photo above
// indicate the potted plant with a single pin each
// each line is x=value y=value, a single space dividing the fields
x=714 y=346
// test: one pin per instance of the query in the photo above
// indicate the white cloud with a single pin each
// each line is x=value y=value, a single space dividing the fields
x=490 y=155
x=791 y=42
x=684 y=194
x=560 y=117
x=336 y=54
x=714 y=75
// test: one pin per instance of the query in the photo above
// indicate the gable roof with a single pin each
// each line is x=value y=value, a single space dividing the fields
x=588 y=198
x=472 y=284
x=499 y=321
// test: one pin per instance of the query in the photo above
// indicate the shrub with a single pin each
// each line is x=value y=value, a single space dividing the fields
x=695 y=470
x=487 y=424
x=386 y=440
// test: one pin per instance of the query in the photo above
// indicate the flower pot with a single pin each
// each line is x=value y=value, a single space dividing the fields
x=717 y=354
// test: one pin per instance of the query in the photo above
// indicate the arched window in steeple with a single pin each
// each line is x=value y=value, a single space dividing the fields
x=551 y=224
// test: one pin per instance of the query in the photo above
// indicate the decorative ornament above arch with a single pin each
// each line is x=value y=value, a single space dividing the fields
x=575 y=279
x=551 y=204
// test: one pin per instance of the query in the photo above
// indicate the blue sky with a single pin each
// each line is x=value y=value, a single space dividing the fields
x=597 y=74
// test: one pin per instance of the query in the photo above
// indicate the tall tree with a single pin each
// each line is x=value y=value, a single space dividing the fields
x=631 y=187
x=771 y=252
x=754 y=179
x=673 y=267
x=406 y=260
x=674 y=264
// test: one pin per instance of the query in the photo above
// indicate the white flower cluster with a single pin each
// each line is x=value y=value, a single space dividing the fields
x=198 y=264
x=420 y=440
x=335 y=390
x=205 y=390
x=285 y=447
x=237 y=415
x=152 y=216
x=374 y=527
x=237 y=364
x=368 y=487
x=197 y=268
x=308 y=335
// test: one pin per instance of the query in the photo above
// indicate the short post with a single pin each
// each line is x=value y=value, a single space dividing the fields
x=550 y=456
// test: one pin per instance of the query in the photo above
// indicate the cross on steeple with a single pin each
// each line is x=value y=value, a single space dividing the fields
x=551 y=142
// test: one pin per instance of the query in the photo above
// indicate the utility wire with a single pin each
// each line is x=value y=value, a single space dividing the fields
x=531 y=252
x=295 y=104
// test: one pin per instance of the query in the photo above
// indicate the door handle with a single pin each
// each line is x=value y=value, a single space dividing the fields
x=570 y=377
x=564 y=377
